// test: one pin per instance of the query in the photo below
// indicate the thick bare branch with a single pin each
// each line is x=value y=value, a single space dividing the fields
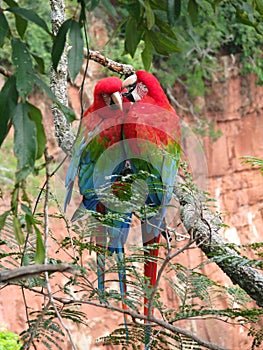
x=138 y=316
x=120 y=68
x=205 y=226
x=10 y=276
x=5 y=72
x=58 y=83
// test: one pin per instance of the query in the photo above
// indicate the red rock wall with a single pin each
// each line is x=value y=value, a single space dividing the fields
x=235 y=104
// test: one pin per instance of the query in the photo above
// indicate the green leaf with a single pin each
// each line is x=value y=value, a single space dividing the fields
x=134 y=9
x=14 y=198
x=159 y=5
x=4 y=28
x=31 y=16
x=173 y=10
x=18 y=230
x=26 y=260
x=25 y=141
x=259 y=6
x=29 y=226
x=59 y=42
x=92 y=4
x=36 y=116
x=76 y=54
x=40 y=249
x=165 y=28
x=193 y=10
x=8 y=103
x=27 y=210
x=11 y=3
x=147 y=53
x=150 y=20
x=23 y=63
x=109 y=8
x=162 y=44
x=40 y=63
x=21 y=25
x=3 y=218
x=69 y=114
x=132 y=36
x=241 y=17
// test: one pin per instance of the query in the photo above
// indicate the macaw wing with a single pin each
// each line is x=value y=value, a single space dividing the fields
x=78 y=148
x=153 y=142
x=85 y=151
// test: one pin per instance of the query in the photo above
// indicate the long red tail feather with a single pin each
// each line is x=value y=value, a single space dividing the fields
x=150 y=267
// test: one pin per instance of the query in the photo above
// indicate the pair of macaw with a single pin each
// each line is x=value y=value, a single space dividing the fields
x=126 y=157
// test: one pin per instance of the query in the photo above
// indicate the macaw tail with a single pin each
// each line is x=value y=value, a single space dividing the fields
x=150 y=271
x=101 y=260
x=120 y=257
x=118 y=235
x=101 y=243
x=150 y=266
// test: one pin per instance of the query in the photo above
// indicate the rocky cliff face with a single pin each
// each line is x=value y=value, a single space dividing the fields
x=235 y=104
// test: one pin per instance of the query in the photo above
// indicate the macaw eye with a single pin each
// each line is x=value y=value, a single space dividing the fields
x=141 y=90
x=106 y=99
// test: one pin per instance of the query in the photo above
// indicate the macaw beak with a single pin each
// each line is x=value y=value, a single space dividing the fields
x=129 y=85
x=131 y=80
x=117 y=99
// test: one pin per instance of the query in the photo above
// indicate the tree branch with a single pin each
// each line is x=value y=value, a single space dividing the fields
x=168 y=258
x=58 y=83
x=120 y=68
x=137 y=316
x=46 y=239
x=5 y=72
x=205 y=226
x=10 y=276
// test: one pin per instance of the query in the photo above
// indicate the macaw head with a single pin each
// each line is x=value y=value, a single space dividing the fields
x=143 y=86
x=107 y=92
x=135 y=88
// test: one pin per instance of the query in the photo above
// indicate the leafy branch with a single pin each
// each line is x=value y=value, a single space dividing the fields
x=205 y=226
x=145 y=24
x=137 y=316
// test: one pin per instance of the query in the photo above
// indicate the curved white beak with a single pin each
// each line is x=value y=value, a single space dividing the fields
x=117 y=99
x=132 y=79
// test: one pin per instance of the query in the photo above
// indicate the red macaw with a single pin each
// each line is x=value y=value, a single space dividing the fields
x=147 y=120
x=101 y=128
x=153 y=137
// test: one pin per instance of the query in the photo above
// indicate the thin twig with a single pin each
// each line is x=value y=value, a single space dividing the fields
x=137 y=316
x=22 y=272
x=36 y=325
x=168 y=258
x=205 y=226
x=174 y=100
x=27 y=314
x=85 y=71
x=120 y=68
x=5 y=72
x=46 y=242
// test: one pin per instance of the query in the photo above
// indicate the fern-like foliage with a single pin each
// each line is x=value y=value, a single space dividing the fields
x=194 y=295
x=45 y=328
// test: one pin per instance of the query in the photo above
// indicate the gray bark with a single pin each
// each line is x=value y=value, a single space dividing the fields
x=200 y=222
x=10 y=276
x=58 y=83
x=204 y=225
